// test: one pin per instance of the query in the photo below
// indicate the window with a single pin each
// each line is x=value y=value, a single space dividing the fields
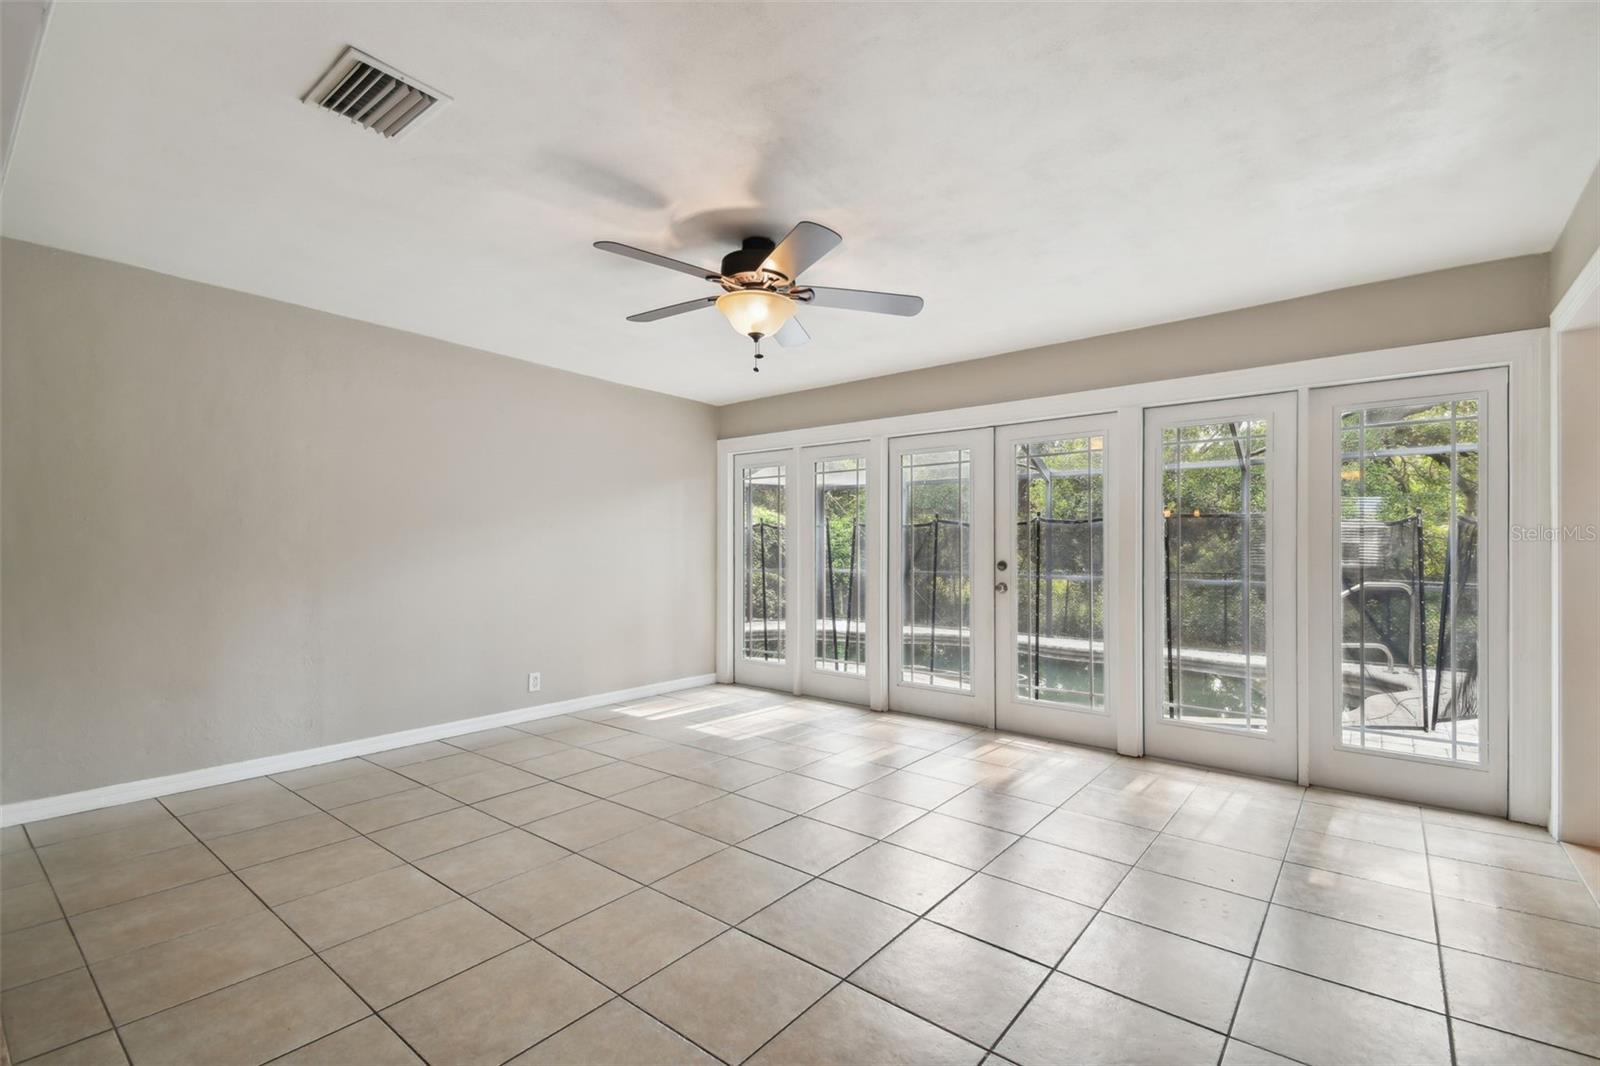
x=936 y=586
x=1408 y=578
x=764 y=506
x=841 y=565
x=1215 y=595
x=1060 y=552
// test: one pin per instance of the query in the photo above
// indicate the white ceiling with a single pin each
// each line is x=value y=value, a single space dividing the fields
x=1038 y=172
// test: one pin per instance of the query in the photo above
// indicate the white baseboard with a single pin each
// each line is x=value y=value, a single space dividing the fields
x=128 y=791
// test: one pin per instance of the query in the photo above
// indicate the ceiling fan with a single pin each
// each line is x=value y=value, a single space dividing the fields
x=761 y=289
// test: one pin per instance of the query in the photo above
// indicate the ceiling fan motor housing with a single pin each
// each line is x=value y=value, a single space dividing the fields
x=748 y=259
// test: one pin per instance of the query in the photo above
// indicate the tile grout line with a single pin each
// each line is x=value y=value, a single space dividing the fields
x=798 y=771
x=908 y=769
x=402 y=860
x=843 y=860
x=1438 y=936
x=458 y=896
x=1429 y=943
x=336 y=1032
x=378 y=1012
x=1250 y=958
x=729 y=927
x=916 y=918
x=821 y=876
x=615 y=996
x=811 y=878
x=117 y=1028
x=1261 y=929
x=94 y=982
x=876 y=841
x=314 y=953
x=926 y=916
x=531 y=939
x=612 y=993
x=1322 y=978
x=890 y=768
x=1099 y=910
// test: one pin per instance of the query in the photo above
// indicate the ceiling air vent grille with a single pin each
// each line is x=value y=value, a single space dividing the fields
x=374 y=94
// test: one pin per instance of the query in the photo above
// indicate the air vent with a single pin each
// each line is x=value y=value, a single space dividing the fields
x=374 y=94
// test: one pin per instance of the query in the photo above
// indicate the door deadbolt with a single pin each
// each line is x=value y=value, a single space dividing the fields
x=1001 y=587
x=1001 y=565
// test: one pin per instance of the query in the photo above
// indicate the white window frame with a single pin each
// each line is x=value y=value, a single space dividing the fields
x=1349 y=766
x=1273 y=751
x=1526 y=354
x=974 y=705
x=1067 y=721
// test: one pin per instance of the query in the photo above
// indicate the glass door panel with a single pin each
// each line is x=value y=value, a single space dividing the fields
x=1214 y=506
x=1219 y=586
x=936 y=587
x=840 y=561
x=1408 y=578
x=943 y=609
x=763 y=638
x=840 y=608
x=1409 y=511
x=1053 y=580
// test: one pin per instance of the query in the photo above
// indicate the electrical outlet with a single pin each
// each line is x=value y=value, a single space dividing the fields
x=533 y=682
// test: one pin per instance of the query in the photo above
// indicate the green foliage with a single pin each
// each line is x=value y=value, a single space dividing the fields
x=1403 y=469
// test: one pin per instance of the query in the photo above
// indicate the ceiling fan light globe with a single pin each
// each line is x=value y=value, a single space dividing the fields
x=755 y=312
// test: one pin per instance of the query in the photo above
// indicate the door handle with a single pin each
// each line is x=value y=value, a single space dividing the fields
x=1002 y=587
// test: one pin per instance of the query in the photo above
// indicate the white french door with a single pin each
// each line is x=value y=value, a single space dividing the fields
x=1409 y=589
x=1314 y=584
x=941 y=567
x=1219 y=587
x=1056 y=580
x=837 y=615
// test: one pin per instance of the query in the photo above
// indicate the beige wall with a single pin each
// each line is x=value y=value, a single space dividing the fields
x=234 y=528
x=1578 y=577
x=1578 y=241
x=1470 y=301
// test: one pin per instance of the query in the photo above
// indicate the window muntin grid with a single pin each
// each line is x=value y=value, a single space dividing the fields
x=1059 y=488
x=840 y=640
x=1408 y=579
x=1215 y=583
x=936 y=577
x=763 y=511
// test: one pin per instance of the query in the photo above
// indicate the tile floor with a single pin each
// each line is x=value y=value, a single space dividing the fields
x=728 y=874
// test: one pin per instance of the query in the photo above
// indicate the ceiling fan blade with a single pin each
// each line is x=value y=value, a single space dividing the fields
x=673 y=309
x=792 y=335
x=884 y=303
x=805 y=244
x=659 y=260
